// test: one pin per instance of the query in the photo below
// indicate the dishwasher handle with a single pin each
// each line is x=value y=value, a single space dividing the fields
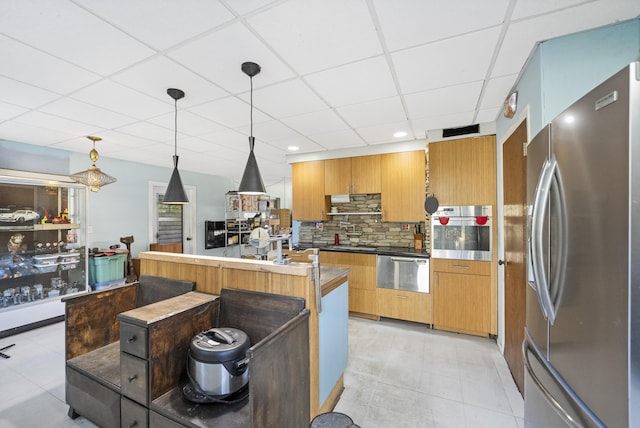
x=407 y=259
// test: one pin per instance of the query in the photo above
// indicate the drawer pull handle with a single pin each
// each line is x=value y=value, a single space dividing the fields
x=401 y=297
x=132 y=339
x=133 y=424
x=461 y=267
x=132 y=378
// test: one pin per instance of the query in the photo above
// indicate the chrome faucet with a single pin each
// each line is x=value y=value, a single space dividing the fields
x=315 y=259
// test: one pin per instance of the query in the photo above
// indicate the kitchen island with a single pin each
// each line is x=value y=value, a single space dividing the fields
x=328 y=326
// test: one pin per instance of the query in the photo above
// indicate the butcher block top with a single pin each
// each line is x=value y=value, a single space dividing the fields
x=158 y=311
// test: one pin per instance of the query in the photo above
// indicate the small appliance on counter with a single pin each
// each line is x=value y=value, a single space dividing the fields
x=218 y=367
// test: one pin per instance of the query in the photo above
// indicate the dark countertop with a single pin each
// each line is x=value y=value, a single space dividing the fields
x=366 y=249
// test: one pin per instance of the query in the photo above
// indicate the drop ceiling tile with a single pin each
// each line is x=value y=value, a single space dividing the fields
x=48 y=121
x=69 y=32
x=374 y=112
x=150 y=131
x=28 y=134
x=114 y=141
x=192 y=144
x=218 y=57
x=317 y=35
x=287 y=98
x=540 y=7
x=24 y=95
x=230 y=140
x=304 y=144
x=87 y=113
x=188 y=123
x=383 y=133
x=270 y=131
x=154 y=76
x=160 y=24
x=454 y=120
x=449 y=62
x=497 y=91
x=27 y=65
x=118 y=98
x=488 y=114
x=354 y=83
x=337 y=140
x=246 y=6
x=9 y=111
x=417 y=22
x=230 y=112
x=316 y=123
x=438 y=102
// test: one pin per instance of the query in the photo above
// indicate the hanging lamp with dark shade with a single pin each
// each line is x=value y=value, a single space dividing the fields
x=175 y=193
x=251 y=183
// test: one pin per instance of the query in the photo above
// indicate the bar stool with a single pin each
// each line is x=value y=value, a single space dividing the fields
x=332 y=420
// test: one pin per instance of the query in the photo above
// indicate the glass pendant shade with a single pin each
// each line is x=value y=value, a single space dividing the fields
x=251 y=183
x=175 y=193
x=93 y=177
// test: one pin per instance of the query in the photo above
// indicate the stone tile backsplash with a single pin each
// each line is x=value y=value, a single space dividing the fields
x=359 y=229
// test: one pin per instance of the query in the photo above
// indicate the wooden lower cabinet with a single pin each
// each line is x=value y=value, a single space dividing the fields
x=404 y=305
x=462 y=296
x=362 y=281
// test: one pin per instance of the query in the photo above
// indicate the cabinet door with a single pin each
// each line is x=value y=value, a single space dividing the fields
x=307 y=191
x=362 y=281
x=462 y=302
x=404 y=305
x=365 y=174
x=403 y=186
x=463 y=172
x=337 y=176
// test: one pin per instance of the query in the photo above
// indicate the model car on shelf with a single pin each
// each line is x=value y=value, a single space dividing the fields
x=19 y=216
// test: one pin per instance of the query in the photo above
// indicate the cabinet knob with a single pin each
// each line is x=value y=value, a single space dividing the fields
x=502 y=262
x=132 y=378
x=132 y=339
x=133 y=424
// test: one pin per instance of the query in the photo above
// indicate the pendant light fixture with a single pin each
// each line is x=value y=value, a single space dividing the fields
x=175 y=193
x=93 y=178
x=251 y=183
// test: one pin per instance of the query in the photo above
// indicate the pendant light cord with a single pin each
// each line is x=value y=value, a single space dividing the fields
x=175 y=127
x=251 y=98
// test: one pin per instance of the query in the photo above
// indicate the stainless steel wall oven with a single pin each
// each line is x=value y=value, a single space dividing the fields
x=462 y=232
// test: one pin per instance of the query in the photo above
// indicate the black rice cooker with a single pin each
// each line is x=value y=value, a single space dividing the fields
x=218 y=365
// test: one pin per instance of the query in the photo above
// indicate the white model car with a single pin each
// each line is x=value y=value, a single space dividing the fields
x=19 y=216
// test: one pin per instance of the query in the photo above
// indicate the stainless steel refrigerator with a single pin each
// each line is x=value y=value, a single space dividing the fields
x=582 y=337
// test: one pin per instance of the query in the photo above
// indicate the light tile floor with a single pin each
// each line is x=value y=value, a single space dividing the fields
x=399 y=375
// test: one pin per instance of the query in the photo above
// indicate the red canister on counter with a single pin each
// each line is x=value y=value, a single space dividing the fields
x=336 y=239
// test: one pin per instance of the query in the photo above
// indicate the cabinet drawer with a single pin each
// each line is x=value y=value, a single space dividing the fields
x=134 y=376
x=468 y=267
x=404 y=305
x=133 y=340
x=133 y=415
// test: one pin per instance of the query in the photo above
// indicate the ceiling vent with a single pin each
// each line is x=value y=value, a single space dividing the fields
x=452 y=132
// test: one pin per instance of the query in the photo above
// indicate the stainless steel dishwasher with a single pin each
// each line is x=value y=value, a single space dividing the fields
x=403 y=273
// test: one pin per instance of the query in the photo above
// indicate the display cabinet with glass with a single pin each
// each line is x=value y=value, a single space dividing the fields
x=244 y=213
x=42 y=246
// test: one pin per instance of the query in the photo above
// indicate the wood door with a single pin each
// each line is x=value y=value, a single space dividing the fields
x=307 y=191
x=514 y=170
x=365 y=174
x=403 y=186
x=337 y=176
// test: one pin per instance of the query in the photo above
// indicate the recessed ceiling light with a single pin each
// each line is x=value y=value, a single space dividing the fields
x=293 y=148
x=400 y=134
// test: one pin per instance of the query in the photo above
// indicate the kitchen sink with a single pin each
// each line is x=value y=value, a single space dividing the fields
x=352 y=248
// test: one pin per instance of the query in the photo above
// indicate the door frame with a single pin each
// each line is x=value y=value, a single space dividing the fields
x=189 y=216
x=524 y=114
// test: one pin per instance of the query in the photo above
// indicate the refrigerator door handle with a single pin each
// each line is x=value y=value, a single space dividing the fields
x=536 y=239
x=528 y=346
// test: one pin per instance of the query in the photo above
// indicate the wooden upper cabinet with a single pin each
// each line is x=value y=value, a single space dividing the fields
x=307 y=191
x=357 y=175
x=463 y=172
x=403 y=186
